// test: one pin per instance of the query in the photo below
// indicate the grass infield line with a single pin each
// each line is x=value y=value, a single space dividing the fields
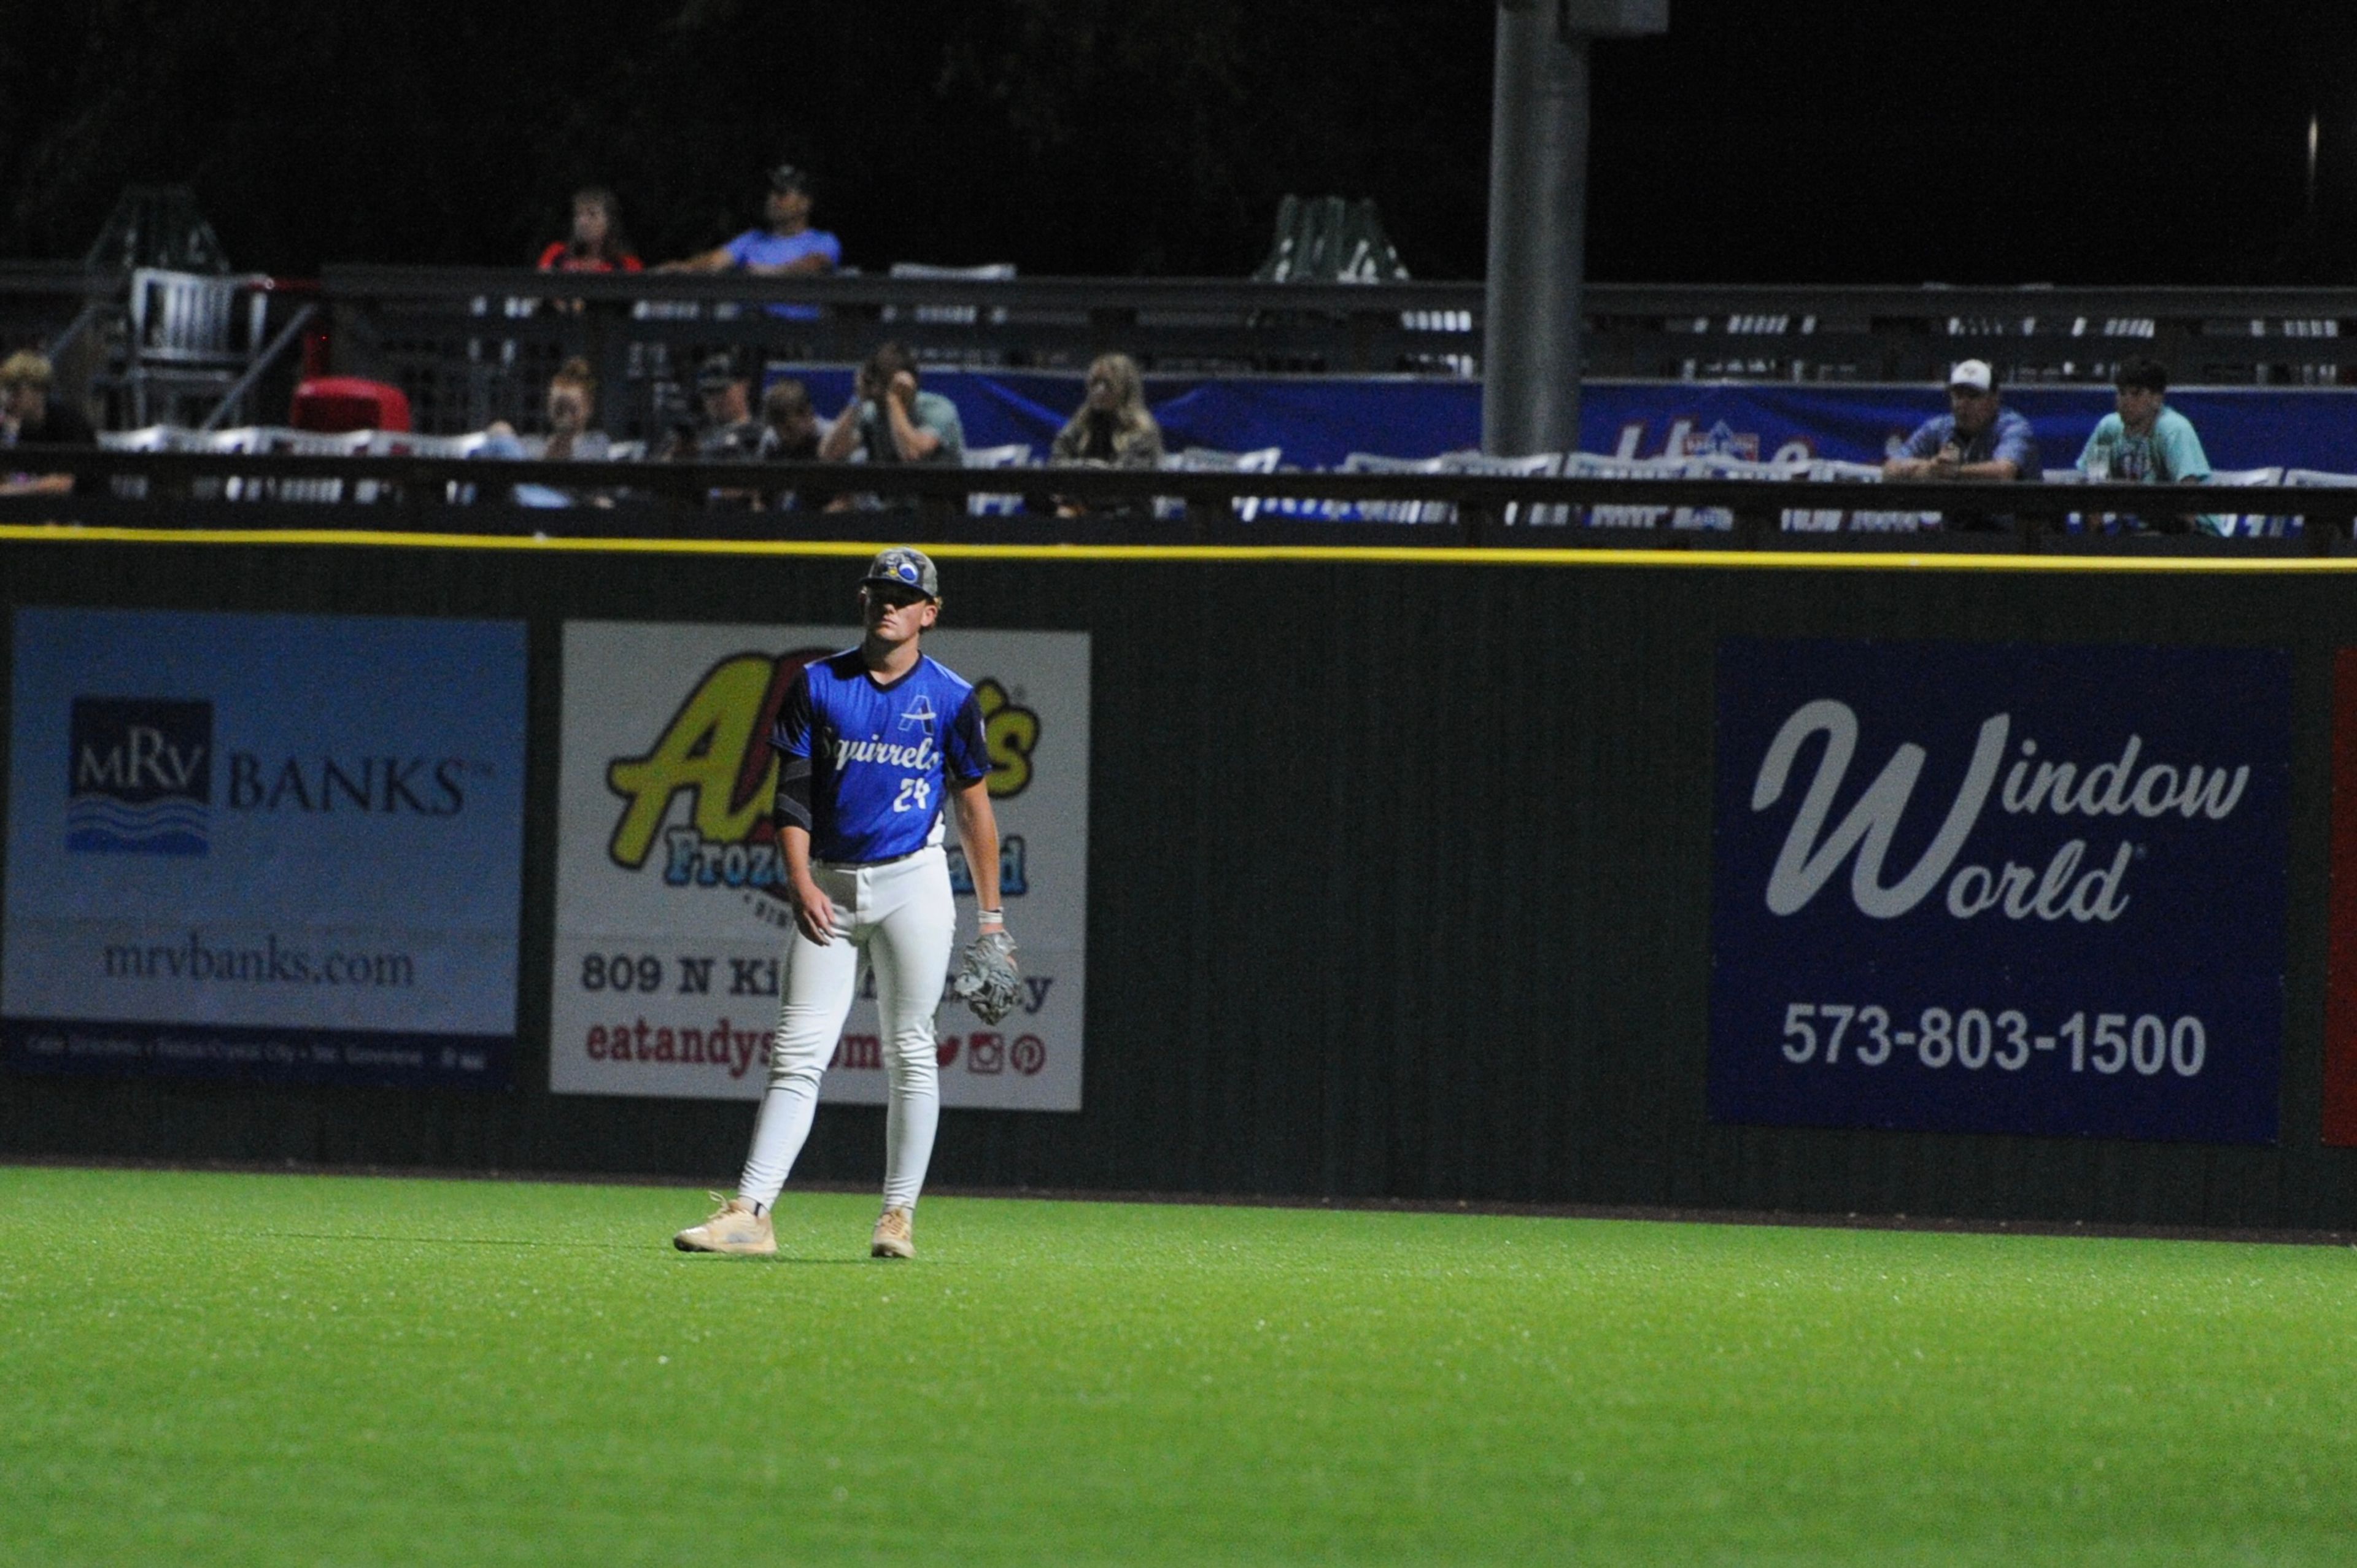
x=1398 y=554
x=1642 y=1213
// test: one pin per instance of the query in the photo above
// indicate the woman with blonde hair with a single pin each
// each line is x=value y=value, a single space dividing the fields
x=1112 y=426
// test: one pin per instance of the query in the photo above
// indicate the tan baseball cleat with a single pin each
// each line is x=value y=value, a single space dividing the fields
x=895 y=1236
x=733 y=1228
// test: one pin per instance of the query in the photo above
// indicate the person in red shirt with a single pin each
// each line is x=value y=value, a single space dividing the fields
x=598 y=243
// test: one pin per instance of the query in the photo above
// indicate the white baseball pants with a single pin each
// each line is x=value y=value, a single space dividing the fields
x=902 y=914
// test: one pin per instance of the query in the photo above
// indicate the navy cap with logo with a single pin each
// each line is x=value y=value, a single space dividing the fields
x=909 y=568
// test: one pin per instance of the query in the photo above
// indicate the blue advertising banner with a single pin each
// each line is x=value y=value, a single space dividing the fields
x=267 y=847
x=2241 y=427
x=1318 y=421
x=2000 y=889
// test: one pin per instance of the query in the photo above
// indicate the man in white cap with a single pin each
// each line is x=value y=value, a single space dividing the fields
x=1977 y=438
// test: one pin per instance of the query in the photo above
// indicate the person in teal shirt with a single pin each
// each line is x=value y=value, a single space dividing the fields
x=2147 y=442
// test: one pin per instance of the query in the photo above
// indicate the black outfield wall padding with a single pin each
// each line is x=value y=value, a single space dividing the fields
x=1400 y=875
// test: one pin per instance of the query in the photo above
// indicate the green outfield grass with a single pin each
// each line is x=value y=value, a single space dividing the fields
x=199 y=1368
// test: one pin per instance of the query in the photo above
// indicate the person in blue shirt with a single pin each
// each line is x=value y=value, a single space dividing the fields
x=872 y=743
x=1977 y=439
x=786 y=246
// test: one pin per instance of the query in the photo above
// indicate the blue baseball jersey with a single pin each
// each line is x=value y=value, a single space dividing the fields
x=879 y=754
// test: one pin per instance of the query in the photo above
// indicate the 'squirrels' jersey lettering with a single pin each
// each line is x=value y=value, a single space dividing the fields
x=919 y=756
x=881 y=757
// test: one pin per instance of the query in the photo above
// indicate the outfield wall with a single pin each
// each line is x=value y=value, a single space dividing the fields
x=1400 y=880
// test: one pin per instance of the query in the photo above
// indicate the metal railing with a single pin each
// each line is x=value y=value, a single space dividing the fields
x=173 y=490
x=473 y=345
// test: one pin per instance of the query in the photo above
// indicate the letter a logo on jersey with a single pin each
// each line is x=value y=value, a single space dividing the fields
x=919 y=714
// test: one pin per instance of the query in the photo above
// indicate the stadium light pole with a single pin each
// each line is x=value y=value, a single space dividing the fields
x=1538 y=215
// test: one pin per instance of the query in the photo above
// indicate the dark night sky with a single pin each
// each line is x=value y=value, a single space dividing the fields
x=2096 y=142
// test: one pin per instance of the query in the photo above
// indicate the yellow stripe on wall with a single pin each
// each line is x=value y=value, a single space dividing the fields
x=1769 y=560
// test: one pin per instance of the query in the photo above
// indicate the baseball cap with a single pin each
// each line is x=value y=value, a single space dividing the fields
x=1973 y=374
x=909 y=568
x=716 y=372
x=786 y=176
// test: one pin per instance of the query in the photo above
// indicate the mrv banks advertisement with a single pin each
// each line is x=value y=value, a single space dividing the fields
x=2001 y=889
x=276 y=848
x=671 y=929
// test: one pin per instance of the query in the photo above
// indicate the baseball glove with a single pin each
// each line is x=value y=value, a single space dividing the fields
x=986 y=978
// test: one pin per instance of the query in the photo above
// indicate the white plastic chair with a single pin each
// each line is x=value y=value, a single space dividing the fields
x=1209 y=460
x=235 y=442
x=1831 y=469
x=1017 y=455
x=2294 y=478
x=1719 y=466
x=1531 y=465
x=149 y=439
x=1377 y=512
x=409 y=443
x=191 y=335
x=1596 y=465
x=275 y=439
x=312 y=443
x=2249 y=525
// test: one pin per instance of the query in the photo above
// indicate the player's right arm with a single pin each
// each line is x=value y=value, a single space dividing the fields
x=813 y=910
x=791 y=816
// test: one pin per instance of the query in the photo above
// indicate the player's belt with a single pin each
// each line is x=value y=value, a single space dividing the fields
x=872 y=864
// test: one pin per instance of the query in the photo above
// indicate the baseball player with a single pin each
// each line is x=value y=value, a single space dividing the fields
x=872 y=742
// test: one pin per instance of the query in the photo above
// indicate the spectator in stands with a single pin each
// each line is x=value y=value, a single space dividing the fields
x=727 y=433
x=572 y=406
x=1110 y=429
x=30 y=416
x=1977 y=439
x=598 y=243
x=790 y=429
x=790 y=432
x=2147 y=443
x=891 y=420
x=786 y=246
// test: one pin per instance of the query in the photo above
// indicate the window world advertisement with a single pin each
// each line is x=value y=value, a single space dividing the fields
x=671 y=924
x=273 y=848
x=2000 y=888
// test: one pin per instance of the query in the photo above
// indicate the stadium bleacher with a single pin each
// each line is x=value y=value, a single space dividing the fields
x=1388 y=390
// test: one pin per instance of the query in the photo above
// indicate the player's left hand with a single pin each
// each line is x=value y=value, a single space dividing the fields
x=986 y=979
